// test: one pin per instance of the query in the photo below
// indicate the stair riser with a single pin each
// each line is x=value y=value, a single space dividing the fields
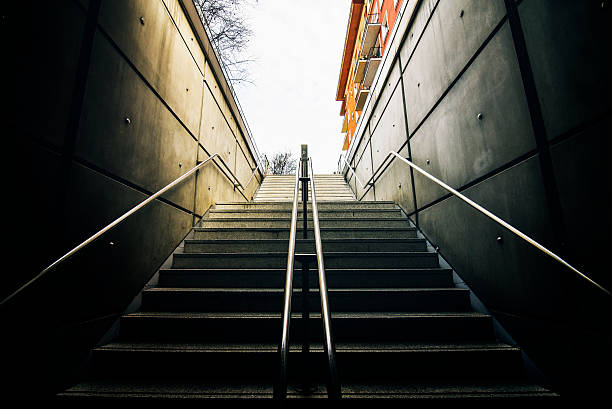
x=288 y=196
x=363 y=301
x=196 y=329
x=279 y=260
x=282 y=245
x=358 y=214
x=286 y=223
x=276 y=279
x=352 y=366
x=354 y=206
x=228 y=234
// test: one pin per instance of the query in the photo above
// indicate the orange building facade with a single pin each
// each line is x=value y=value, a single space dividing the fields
x=367 y=33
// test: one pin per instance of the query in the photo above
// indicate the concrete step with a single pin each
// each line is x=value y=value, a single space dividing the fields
x=302 y=246
x=228 y=233
x=332 y=260
x=290 y=199
x=321 y=196
x=271 y=299
x=342 y=205
x=336 y=278
x=271 y=214
x=266 y=327
x=286 y=222
x=257 y=394
x=357 y=362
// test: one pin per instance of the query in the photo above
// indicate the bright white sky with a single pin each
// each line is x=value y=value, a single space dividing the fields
x=297 y=45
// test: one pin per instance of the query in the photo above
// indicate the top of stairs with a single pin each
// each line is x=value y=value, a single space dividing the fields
x=280 y=188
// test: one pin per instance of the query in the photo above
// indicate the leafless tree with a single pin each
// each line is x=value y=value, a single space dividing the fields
x=230 y=33
x=282 y=163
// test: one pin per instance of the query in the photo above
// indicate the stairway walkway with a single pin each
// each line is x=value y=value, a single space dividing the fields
x=279 y=188
x=211 y=328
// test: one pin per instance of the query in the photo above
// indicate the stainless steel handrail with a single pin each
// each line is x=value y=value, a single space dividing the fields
x=252 y=174
x=354 y=174
x=123 y=217
x=488 y=214
x=333 y=389
x=280 y=391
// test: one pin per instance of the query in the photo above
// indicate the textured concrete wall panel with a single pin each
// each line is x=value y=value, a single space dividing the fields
x=415 y=30
x=113 y=273
x=508 y=275
x=157 y=50
x=182 y=23
x=449 y=41
x=364 y=169
x=459 y=146
x=209 y=78
x=215 y=133
x=362 y=148
x=58 y=47
x=568 y=43
x=385 y=95
x=578 y=169
x=395 y=183
x=212 y=187
x=155 y=149
x=390 y=134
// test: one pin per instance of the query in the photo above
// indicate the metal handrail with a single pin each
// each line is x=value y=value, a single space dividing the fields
x=354 y=174
x=488 y=214
x=252 y=174
x=333 y=389
x=280 y=392
x=125 y=216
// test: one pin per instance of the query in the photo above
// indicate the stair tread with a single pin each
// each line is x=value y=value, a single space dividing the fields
x=276 y=315
x=198 y=390
x=327 y=253
x=364 y=202
x=297 y=290
x=383 y=228
x=327 y=270
x=314 y=347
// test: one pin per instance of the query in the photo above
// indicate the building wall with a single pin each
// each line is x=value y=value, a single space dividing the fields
x=390 y=8
x=507 y=102
x=111 y=101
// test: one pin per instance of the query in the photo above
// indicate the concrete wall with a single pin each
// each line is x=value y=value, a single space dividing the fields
x=537 y=73
x=110 y=101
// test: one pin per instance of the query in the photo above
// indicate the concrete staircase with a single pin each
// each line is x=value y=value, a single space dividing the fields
x=211 y=328
x=279 y=188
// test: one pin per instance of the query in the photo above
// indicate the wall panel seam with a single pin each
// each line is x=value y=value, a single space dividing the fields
x=522 y=158
x=459 y=75
x=146 y=82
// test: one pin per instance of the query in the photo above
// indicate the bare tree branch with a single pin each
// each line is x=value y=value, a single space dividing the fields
x=282 y=163
x=230 y=33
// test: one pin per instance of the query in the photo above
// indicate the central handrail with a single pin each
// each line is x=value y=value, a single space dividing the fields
x=481 y=209
x=333 y=388
x=280 y=392
x=128 y=214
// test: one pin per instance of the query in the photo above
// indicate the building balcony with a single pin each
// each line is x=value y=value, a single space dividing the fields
x=360 y=69
x=362 y=96
x=370 y=71
x=370 y=32
x=364 y=60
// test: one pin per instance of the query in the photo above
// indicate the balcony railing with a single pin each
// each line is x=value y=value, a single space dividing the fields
x=362 y=63
x=362 y=96
x=373 y=18
x=370 y=32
